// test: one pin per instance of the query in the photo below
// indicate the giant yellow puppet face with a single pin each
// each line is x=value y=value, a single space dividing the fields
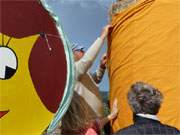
x=32 y=68
x=20 y=100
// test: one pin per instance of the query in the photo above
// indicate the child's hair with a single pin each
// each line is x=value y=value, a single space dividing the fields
x=77 y=116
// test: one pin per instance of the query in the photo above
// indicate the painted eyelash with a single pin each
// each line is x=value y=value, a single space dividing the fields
x=7 y=41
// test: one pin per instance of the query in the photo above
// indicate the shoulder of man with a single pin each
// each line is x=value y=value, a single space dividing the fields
x=130 y=130
x=171 y=129
x=135 y=130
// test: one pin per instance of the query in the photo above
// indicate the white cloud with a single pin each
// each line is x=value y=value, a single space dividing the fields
x=88 y=3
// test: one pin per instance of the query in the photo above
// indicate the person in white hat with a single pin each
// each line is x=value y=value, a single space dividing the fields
x=86 y=83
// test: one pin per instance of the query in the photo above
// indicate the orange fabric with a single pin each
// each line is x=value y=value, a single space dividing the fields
x=144 y=45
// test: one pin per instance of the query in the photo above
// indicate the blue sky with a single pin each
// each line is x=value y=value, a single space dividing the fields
x=82 y=21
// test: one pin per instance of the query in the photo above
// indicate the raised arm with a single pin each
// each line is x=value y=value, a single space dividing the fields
x=86 y=61
x=98 y=75
x=111 y=116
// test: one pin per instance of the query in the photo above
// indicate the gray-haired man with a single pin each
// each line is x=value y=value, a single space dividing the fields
x=145 y=102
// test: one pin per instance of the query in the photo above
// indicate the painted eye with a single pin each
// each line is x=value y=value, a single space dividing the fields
x=8 y=63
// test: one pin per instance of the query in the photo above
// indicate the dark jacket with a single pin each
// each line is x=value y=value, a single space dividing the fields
x=145 y=126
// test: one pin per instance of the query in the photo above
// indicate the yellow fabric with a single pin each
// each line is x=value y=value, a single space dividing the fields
x=27 y=114
x=144 y=45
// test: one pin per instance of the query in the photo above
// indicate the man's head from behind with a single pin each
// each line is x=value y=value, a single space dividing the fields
x=143 y=98
x=78 y=51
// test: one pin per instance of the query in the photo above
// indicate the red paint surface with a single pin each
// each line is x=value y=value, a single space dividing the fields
x=47 y=68
x=2 y=113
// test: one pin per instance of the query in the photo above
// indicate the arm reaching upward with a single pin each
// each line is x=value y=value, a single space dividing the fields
x=103 y=121
x=86 y=61
x=98 y=75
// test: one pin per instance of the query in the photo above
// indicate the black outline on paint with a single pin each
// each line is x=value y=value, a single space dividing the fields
x=16 y=61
